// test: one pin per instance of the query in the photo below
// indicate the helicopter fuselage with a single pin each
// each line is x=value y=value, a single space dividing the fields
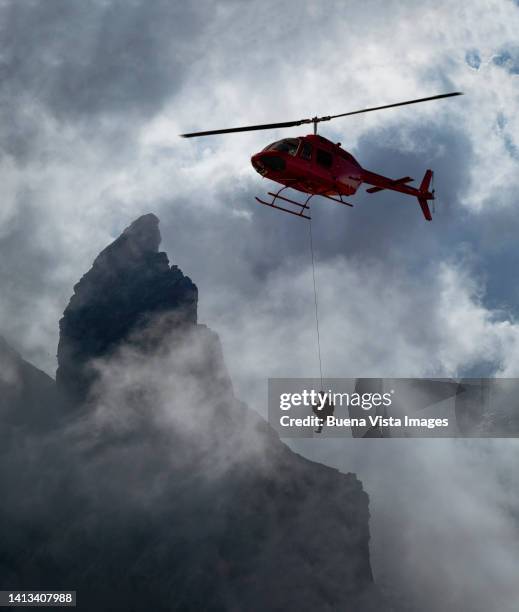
x=317 y=166
x=311 y=164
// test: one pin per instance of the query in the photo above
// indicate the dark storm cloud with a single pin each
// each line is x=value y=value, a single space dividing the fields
x=83 y=58
x=494 y=238
x=27 y=268
x=25 y=263
x=90 y=61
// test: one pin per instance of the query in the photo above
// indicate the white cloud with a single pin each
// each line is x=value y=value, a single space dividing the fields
x=371 y=324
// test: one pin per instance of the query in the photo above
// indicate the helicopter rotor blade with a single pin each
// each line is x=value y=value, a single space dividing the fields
x=248 y=128
x=314 y=120
x=368 y=110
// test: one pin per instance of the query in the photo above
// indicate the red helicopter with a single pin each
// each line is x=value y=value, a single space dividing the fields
x=315 y=165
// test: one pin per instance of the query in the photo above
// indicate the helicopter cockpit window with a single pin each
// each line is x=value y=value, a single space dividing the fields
x=324 y=158
x=287 y=145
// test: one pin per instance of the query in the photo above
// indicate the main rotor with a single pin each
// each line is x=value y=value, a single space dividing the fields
x=315 y=120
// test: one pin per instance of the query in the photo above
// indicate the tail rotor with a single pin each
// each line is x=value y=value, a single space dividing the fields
x=424 y=195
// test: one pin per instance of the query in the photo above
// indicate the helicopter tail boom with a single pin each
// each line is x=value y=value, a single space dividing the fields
x=401 y=185
x=400 y=181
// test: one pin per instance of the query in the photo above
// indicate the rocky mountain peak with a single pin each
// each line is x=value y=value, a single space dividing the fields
x=129 y=283
x=138 y=239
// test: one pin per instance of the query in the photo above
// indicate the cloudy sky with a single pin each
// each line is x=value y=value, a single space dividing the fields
x=93 y=95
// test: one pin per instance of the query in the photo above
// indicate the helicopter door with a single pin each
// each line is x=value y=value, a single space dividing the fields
x=324 y=159
x=306 y=151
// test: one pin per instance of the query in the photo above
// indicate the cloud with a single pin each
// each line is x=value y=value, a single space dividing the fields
x=80 y=60
x=432 y=325
x=473 y=59
x=88 y=160
x=446 y=510
x=508 y=59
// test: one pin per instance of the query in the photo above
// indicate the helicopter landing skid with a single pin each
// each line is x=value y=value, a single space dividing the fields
x=276 y=196
x=301 y=206
x=339 y=201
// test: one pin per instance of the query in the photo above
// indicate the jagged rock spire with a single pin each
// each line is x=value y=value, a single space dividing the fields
x=130 y=282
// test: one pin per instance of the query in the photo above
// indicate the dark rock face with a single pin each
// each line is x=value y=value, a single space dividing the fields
x=168 y=493
x=129 y=282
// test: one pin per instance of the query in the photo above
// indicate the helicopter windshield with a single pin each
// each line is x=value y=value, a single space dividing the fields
x=287 y=145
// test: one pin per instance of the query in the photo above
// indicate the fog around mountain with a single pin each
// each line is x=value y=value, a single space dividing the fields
x=139 y=479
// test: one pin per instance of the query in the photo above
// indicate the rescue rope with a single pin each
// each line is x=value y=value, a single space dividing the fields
x=316 y=308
